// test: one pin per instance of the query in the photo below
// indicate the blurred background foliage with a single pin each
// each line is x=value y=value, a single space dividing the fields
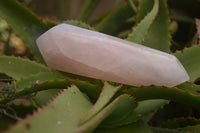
x=49 y=10
x=182 y=25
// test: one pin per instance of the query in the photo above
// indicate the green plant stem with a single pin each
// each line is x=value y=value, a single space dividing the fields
x=132 y=5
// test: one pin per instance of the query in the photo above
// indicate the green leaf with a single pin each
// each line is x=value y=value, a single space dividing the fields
x=121 y=102
x=41 y=98
x=79 y=24
x=190 y=57
x=38 y=78
x=180 y=122
x=91 y=90
x=24 y=23
x=107 y=93
x=34 y=73
x=41 y=77
x=143 y=110
x=188 y=86
x=61 y=115
x=28 y=72
x=87 y=9
x=164 y=130
x=18 y=68
x=190 y=129
x=173 y=94
x=141 y=29
x=64 y=113
x=115 y=21
x=158 y=35
x=132 y=5
x=136 y=127
x=145 y=6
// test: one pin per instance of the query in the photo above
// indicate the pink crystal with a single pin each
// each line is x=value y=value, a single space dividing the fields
x=92 y=54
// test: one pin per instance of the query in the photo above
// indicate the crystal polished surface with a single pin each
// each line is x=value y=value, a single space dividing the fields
x=92 y=54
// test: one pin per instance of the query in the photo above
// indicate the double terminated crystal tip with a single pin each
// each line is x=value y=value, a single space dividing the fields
x=92 y=54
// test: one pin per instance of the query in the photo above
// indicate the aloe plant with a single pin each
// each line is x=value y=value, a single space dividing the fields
x=63 y=102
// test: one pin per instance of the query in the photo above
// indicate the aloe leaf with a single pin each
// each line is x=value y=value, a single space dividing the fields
x=180 y=122
x=18 y=68
x=189 y=57
x=145 y=6
x=79 y=24
x=120 y=103
x=107 y=93
x=34 y=73
x=141 y=29
x=164 y=130
x=132 y=5
x=118 y=115
x=64 y=113
x=43 y=97
x=87 y=9
x=61 y=115
x=158 y=35
x=38 y=78
x=153 y=105
x=143 y=110
x=24 y=23
x=115 y=21
x=91 y=90
x=188 y=86
x=190 y=129
x=136 y=127
x=173 y=94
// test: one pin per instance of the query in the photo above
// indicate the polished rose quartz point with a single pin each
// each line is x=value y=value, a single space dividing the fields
x=92 y=54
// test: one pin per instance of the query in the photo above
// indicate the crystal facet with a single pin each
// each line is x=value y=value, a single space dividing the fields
x=92 y=54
